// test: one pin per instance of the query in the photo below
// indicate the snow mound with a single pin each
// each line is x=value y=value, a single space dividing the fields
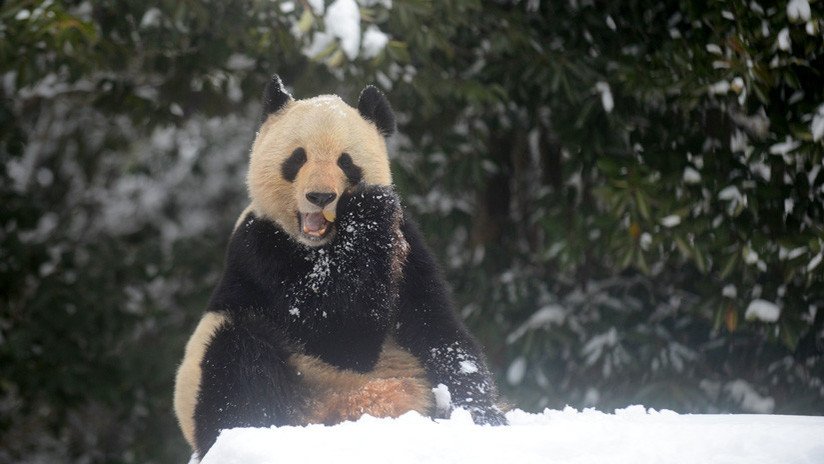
x=632 y=435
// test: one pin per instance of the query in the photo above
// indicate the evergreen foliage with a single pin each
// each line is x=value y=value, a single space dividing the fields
x=610 y=186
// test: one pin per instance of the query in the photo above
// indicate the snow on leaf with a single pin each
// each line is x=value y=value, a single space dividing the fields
x=645 y=241
x=784 y=39
x=762 y=310
x=750 y=255
x=374 y=40
x=606 y=96
x=691 y=175
x=370 y=3
x=719 y=88
x=798 y=11
x=784 y=147
x=240 y=62
x=151 y=18
x=817 y=125
x=729 y=291
x=737 y=84
x=789 y=205
x=611 y=23
x=671 y=221
x=730 y=193
x=343 y=21
x=287 y=7
x=516 y=371
x=317 y=6
x=544 y=317
x=815 y=262
x=749 y=399
x=595 y=346
x=787 y=254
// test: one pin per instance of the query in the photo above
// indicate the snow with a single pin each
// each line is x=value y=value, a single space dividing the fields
x=468 y=367
x=762 y=310
x=631 y=435
x=443 y=399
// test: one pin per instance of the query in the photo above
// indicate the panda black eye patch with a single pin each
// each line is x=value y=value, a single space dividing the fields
x=353 y=172
x=289 y=169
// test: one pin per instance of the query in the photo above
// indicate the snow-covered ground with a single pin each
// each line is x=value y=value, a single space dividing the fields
x=632 y=435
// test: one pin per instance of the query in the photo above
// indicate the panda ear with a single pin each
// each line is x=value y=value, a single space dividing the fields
x=373 y=106
x=275 y=97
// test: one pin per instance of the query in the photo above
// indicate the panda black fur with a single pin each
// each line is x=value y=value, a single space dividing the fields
x=319 y=321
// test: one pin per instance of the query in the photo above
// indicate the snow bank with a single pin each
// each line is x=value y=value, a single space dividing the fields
x=632 y=435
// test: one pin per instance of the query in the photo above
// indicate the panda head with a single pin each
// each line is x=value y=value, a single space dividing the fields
x=307 y=153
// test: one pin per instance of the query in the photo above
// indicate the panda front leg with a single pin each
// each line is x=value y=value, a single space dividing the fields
x=354 y=305
x=246 y=381
x=428 y=327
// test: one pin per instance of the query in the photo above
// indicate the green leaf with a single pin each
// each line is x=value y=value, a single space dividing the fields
x=729 y=265
x=307 y=19
x=643 y=208
x=789 y=334
x=685 y=249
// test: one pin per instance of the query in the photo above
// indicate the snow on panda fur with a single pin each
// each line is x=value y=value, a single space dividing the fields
x=330 y=305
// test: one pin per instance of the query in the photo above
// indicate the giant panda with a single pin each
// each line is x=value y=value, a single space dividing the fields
x=330 y=305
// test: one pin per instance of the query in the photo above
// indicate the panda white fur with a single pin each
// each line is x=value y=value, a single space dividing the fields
x=330 y=305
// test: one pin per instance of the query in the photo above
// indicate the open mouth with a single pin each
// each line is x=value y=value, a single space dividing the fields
x=314 y=225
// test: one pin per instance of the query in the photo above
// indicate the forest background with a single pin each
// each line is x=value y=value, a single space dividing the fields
x=626 y=197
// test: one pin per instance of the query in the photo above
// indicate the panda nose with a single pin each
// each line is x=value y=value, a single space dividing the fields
x=321 y=198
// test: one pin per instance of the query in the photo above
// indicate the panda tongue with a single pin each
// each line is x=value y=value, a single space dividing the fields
x=314 y=223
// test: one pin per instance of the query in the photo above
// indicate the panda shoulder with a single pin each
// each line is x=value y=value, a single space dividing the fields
x=249 y=210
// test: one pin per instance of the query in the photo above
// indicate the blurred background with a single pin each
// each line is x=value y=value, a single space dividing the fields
x=626 y=197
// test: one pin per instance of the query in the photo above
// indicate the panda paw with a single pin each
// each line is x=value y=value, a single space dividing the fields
x=488 y=416
x=370 y=209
